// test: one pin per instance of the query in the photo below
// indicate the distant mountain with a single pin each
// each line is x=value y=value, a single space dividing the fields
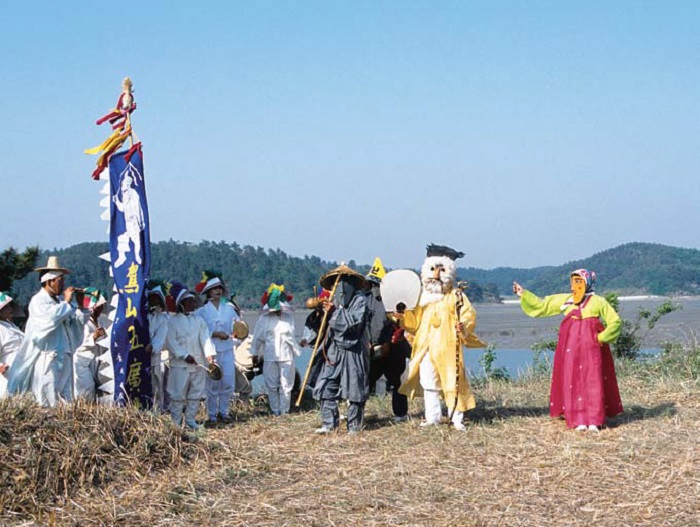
x=632 y=268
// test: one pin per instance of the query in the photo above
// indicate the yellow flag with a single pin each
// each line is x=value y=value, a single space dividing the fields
x=377 y=272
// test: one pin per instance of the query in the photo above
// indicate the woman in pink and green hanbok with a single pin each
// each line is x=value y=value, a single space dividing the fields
x=584 y=386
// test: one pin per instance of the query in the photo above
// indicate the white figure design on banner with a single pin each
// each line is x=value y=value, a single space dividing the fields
x=130 y=206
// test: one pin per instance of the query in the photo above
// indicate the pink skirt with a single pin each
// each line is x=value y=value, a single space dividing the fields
x=584 y=386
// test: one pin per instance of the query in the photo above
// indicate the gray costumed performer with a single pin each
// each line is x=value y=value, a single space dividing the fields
x=345 y=372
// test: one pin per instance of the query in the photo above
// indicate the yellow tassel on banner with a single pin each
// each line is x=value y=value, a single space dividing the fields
x=103 y=146
x=113 y=142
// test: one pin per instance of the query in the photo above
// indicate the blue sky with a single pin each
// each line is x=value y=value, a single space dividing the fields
x=522 y=133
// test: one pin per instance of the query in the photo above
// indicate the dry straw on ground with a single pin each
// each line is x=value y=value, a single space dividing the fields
x=513 y=466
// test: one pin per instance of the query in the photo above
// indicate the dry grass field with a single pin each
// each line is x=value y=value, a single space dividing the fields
x=513 y=466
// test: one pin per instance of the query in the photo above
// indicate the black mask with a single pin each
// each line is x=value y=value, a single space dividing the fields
x=344 y=292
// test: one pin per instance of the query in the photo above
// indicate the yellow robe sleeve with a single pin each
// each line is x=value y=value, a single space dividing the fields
x=411 y=319
x=536 y=307
x=612 y=321
x=467 y=316
x=597 y=306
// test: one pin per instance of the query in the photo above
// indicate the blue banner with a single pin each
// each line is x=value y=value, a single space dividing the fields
x=130 y=251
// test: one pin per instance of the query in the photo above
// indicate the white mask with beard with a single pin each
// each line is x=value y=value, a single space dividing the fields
x=437 y=277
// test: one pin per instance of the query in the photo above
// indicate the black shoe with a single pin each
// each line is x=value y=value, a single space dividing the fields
x=226 y=419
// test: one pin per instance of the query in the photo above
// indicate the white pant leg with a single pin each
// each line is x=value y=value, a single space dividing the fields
x=458 y=417
x=43 y=380
x=185 y=384
x=220 y=393
x=227 y=362
x=430 y=382
x=213 y=402
x=64 y=384
x=157 y=371
x=191 y=409
x=196 y=393
x=433 y=410
x=213 y=394
x=85 y=370
x=271 y=374
x=429 y=379
x=286 y=384
x=198 y=384
x=51 y=384
x=228 y=381
x=3 y=386
x=178 y=381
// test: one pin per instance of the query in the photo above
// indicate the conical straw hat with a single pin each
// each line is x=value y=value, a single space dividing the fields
x=328 y=280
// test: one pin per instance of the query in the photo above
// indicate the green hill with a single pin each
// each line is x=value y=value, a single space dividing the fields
x=633 y=268
x=246 y=270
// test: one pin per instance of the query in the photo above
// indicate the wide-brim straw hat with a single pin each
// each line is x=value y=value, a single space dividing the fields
x=52 y=265
x=328 y=280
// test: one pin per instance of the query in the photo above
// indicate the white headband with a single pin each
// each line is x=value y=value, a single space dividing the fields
x=184 y=295
x=50 y=275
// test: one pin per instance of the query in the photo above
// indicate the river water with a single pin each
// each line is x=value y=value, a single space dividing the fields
x=513 y=333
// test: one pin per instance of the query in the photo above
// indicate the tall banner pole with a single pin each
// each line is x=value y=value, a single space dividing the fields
x=126 y=209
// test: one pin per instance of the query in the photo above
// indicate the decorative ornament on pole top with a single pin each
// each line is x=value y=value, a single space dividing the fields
x=119 y=118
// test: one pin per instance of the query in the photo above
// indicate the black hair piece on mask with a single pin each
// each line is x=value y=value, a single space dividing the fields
x=442 y=250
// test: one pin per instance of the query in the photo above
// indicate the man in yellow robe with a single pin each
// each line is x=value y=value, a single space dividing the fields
x=443 y=315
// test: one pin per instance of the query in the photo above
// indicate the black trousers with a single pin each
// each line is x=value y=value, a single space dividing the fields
x=391 y=366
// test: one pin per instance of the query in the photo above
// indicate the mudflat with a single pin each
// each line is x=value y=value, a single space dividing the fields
x=507 y=327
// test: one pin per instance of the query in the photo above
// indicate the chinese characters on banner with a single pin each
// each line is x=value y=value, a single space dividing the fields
x=129 y=245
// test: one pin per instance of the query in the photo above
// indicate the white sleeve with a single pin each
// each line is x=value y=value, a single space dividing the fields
x=257 y=348
x=205 y=340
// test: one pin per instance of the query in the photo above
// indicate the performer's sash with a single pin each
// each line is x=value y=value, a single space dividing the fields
x=129 y=244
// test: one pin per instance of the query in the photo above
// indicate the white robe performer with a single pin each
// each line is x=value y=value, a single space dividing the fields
x=11 y=338
x=44 y=364
x=85 y=364
x=220 y=321
x=158 y=331
x=85 y=359
x=191 y=350
x=273 y=340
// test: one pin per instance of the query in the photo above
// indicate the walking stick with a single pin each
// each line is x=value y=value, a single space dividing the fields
x=458 y=350
x=319 y=336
